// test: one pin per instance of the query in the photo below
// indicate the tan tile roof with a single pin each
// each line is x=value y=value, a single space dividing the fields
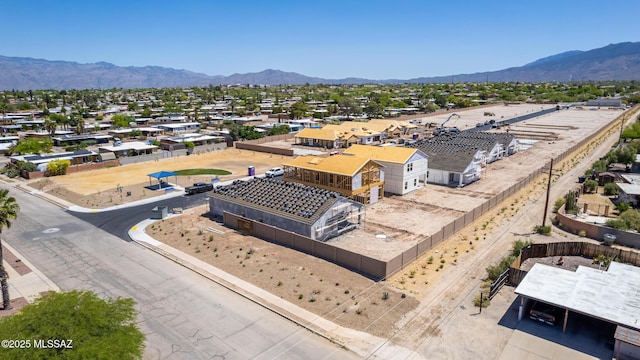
x=358 y=128
x=392 y=154
x=338 y=164
x=321 y=134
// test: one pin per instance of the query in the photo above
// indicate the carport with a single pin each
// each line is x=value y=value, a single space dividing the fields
x=162 y=175
x=607 y=295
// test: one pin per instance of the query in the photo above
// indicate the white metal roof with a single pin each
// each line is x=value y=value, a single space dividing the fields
x=612 y=295
x=134 y=145
x=177 y=125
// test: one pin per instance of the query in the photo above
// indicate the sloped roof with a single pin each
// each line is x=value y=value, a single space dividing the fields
x=301 y=202
x=392 y=154
x=321 y=134
x=162 y=174
x=473 y=139
x=454 y=161
x=393 y=123
x=358 y=128
x=347 y=165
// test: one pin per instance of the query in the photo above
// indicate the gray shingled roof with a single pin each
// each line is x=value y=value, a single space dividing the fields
x=455 y=151
x=306 y=203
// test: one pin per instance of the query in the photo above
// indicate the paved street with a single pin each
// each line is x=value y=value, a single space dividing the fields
x=183 y=315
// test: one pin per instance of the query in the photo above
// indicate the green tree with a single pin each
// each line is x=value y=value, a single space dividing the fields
x=298 y=110
x=8 y=211
x=4 y=107
x=146 y=112
x=349 y=106
x=610 y=189
x=278 y=130
x=374 y=109
x=122 y=121
x=590 y=186
x=598 y=166
x=33 y=146
x=189 y=145
x=100 y=329
x=50 y=126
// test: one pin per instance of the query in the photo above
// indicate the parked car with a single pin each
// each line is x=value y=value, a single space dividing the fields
x=274 y=172
x=544 y=313
x=198 y=187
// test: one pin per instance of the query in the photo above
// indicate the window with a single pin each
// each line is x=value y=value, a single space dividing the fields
x=409 y=166
x=415 y=182
x=406 y=184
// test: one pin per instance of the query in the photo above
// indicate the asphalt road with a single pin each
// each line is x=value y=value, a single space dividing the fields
x=183 y=315
x=118 y=222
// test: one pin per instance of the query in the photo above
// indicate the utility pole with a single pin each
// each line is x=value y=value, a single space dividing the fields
x=546 y=204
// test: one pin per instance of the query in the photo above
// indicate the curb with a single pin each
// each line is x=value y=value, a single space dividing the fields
x=239 y=291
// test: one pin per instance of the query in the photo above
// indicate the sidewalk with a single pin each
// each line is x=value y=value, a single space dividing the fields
x=26 y=282
x=178 y=191
x=359 y=342
x=30 y=287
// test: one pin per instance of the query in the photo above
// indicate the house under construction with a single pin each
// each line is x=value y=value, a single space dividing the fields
x=305 y=210
x=355 y=177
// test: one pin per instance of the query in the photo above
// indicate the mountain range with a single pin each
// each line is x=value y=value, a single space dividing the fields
x=613 y=62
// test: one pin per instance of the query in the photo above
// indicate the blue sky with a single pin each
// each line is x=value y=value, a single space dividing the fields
x=330 y=39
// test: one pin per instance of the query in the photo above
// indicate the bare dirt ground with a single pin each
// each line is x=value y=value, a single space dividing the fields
x=335 y=293
x=233 y=160
x=437 y=310
x=407 y=220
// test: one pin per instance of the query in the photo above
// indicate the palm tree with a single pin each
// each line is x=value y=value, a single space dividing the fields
x=50 y=126
x=8 y=211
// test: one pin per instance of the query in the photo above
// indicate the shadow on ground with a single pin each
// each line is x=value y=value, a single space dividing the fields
x=584 y=334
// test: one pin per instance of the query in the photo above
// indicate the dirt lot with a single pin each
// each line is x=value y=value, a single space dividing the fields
x=326 y=289
x=135 y=175
x=406 y=220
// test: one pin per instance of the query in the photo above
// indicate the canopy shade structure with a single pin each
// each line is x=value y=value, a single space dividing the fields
x=161 y=175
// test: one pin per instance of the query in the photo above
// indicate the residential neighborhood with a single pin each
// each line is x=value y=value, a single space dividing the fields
x=373 y=196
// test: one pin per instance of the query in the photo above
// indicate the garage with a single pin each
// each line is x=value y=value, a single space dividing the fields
x=603 y=299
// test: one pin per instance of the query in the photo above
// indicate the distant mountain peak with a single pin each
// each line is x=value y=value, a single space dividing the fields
x=612 y=62
x=556 y=57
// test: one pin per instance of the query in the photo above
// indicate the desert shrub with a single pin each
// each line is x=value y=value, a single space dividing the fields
x=543 y=230
x=558 y=204
x=493 y=271
x=58 y=167
x=518 y=245
x=617 y=224
x=610 y=189
x=631 y=218
x=570 y=203
x=590 y=186
x=27 y=166
x=12 y=172
x=622 y=207
x=485 y=300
